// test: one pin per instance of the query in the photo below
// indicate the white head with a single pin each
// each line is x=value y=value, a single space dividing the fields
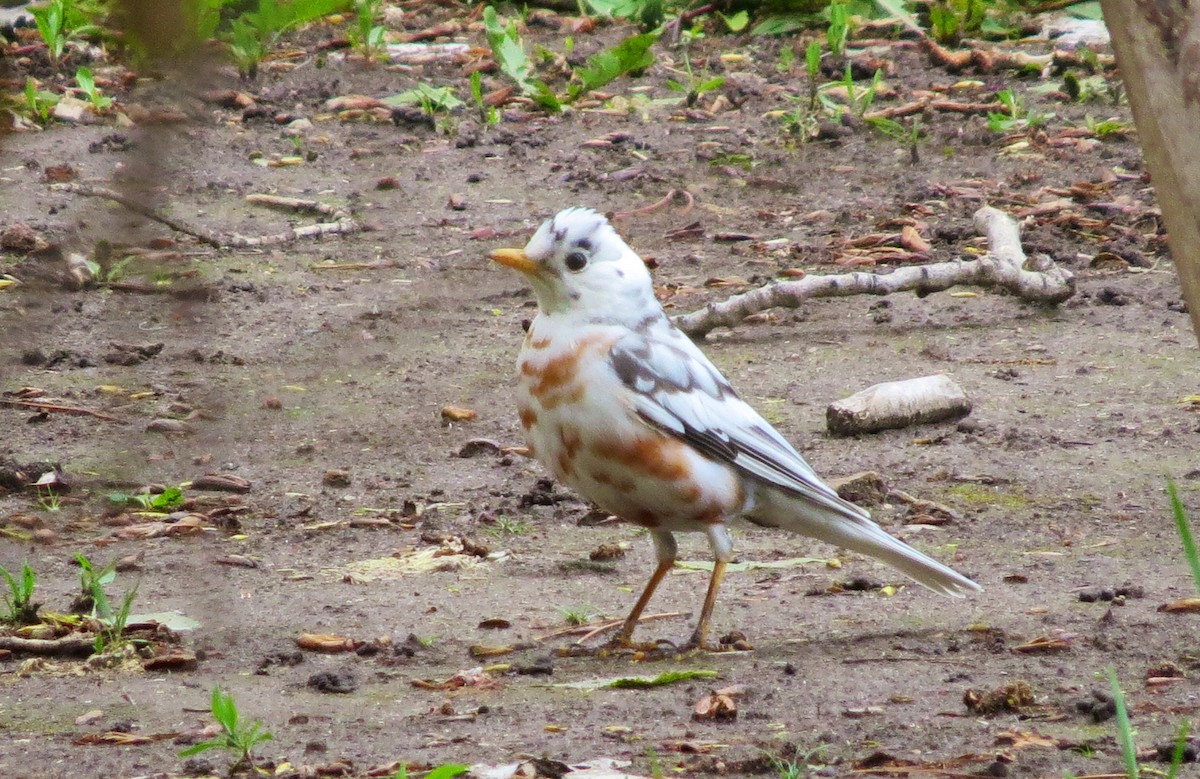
x=577 y=263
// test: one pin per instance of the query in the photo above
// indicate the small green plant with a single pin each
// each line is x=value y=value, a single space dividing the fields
x=506 y=525
x=1107 y=128
x=508 y=49
x=578 y=615
x=253 y=33
x=172 y=497
x=48 y=499
x=19 y=598
x=488 y=114
x=950 y=20
x=812 y=69
x=1015 y=116
x=237 y=737
x=909 y=136
x=838 y=31
x=631 y=55
x=735 y=160
x=435 y=102
x=92 y=581
x=787 y=58
x=112 y=628
x=367 y=36
x=93 y=597
x=695 y=88
x=801 y=765
x=38 y=102
x=649 y=13
x=87 y=84
x=58 y=21
x=861 y=100
x=656 y=769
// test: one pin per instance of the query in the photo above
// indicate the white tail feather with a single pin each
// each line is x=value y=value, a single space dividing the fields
x=851 y=528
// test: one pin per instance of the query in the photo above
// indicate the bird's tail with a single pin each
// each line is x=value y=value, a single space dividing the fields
x=843 y=524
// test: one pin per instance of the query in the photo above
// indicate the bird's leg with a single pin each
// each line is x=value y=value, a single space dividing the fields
x=722 y=547
x=666 y=550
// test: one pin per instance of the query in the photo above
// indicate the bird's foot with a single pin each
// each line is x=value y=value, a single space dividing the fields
x=616 y=646
x=734 y=641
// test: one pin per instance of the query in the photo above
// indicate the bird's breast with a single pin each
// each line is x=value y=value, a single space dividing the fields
x=579 y=421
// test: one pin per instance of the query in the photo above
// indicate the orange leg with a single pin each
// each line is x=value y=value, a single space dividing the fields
x=625 y=636
x=664 y=546
x=698 y=639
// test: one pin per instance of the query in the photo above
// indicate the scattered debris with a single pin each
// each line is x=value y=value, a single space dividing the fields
x=1011 y=697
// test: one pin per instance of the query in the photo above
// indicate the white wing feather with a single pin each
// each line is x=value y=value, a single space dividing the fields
x=677 y=389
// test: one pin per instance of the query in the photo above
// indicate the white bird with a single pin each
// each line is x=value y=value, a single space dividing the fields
x=621 y=406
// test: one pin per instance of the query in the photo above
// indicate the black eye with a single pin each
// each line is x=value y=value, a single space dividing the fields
x=576 y=261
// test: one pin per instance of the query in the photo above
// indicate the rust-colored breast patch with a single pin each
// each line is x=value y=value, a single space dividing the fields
x=655 y=456
x=528 y=416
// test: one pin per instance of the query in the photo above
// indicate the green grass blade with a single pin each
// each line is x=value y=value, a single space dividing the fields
x=1124 y=729
x=1185 y=531
x=1181 y=743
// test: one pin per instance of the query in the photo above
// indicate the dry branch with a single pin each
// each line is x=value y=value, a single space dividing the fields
x=87 y=190
x=48 y=407
x=342 y=223
x=68 y=646
x=1004 y=267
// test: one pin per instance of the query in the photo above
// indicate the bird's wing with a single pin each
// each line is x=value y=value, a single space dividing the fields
x=677 y=390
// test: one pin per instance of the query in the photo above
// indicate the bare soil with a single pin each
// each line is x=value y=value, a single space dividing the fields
x=281 y=372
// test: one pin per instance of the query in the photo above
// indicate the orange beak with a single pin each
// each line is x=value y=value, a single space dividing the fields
x=516 y=259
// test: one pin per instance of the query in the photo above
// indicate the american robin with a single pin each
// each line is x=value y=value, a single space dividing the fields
x=621 y=406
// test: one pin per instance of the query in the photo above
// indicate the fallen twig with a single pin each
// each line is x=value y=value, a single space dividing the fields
x=594 y=629
x=85 y=412
x=342 y=224
x=88 y=190
x=68 y=646
x=1004 y=266
x=666 y=200
x=297 y=204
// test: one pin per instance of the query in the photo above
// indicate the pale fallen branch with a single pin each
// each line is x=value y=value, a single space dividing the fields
x=342 y=223
x=55 y=407
x=68 y=646
x=1004 y=266
x=88 y=190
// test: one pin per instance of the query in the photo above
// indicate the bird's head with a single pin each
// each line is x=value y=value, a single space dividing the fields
x=577 y=263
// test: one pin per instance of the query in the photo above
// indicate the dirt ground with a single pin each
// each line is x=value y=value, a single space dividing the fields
x=324 y=389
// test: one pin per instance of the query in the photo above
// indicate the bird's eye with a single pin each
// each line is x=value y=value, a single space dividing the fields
x=576 y=261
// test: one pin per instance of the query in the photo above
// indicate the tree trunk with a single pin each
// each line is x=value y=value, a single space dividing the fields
x=1157 y=43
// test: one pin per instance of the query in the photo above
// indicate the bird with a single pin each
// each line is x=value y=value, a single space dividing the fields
x=621 y=406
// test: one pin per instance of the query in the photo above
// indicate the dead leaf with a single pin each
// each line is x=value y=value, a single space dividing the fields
x=1181 y=606
x=180 y=660
x=458 y=414
x=715 y=707
x=327 y=642
x=1020 y=739
x=353 y=103
x=495 y=623
x=910 y=239
x=1058 y=641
